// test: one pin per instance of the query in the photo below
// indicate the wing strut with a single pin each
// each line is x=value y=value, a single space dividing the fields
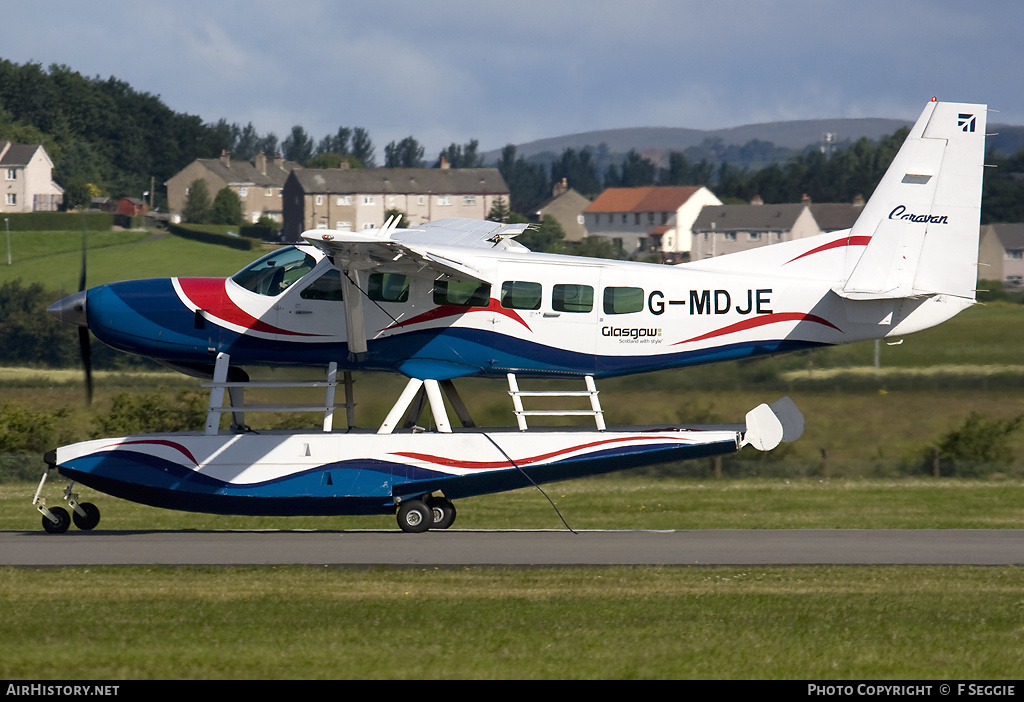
x=355 y=321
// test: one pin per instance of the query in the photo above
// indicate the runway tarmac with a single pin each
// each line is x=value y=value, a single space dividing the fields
x=517 y=548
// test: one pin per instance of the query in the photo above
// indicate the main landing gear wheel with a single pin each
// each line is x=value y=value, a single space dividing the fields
x=444 y=512
x=62 y=523
x=91 y=518
x=415 y=517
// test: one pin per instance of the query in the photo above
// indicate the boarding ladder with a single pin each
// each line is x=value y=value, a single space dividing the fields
x=595 y=410
x=238 y=407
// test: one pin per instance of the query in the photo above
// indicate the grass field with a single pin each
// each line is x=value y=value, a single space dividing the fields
x=54 y=259
x=814 y=623
x=628 y=502
x=797 y=623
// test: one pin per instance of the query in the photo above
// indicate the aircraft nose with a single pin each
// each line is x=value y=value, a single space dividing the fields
x=71 y=309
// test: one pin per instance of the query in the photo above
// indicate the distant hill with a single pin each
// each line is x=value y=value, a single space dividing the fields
x=795 y=135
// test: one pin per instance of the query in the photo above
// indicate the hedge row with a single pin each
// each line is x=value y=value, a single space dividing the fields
x=214 y=234
x=59 y=221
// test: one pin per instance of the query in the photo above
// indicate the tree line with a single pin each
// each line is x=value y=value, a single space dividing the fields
x=106 y=138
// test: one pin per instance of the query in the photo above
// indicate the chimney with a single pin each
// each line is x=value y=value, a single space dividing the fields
x=260 y=161
x=757 y=200
x=805 y=200
x=344 y=164
x=279 y=160
x=858 y=201
x=444 y=164
x=560 y=188
x=225 y=157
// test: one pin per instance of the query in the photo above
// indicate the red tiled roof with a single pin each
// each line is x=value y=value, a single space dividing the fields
x=665 y=198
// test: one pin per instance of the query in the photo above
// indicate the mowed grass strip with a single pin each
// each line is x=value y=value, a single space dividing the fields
x=622 y=502
x=580 y=623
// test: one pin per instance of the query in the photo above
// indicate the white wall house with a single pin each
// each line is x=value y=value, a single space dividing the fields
x=26 y=179
x=727 y=229
x=359 y=198
x=258 y=183
x=648 y=220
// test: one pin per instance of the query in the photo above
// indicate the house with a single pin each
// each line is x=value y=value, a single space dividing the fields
x=258 y=183
x=358 y=198
x=648 y=220
x=566 y=206
x=1001 y=253
x=836 y=216
x=26 y=176
x=131 y=207
x=725 y=229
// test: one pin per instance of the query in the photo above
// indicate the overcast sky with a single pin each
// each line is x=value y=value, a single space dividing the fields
x=504 y=72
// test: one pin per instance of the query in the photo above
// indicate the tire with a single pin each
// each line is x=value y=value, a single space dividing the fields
x=414 y=517
x=91 y=518
x=444 y=512
x=63 y=521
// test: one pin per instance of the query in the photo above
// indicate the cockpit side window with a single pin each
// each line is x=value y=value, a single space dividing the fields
x=275 y=272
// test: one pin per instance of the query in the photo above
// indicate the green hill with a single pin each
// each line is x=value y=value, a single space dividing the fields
x=54 y=259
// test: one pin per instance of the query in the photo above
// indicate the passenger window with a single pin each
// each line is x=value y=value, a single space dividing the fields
x=520 y=295
x=463 y=293
x=572 y=298
x=326 y=287
x=389 y=287
x=623 y=300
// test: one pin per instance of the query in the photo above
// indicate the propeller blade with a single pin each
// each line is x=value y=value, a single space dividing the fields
x=81 y=275
x=84 y=348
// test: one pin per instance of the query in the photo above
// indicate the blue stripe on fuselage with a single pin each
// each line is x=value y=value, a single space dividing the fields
x=146 y=317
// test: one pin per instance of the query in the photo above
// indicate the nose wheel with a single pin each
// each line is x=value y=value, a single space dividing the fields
x=56 y=520
x=86 y=516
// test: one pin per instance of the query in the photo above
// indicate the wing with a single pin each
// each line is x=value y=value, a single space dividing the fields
x=434 y=247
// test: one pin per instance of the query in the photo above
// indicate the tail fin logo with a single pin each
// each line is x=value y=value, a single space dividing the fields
x=966 y=122
x=900 y=212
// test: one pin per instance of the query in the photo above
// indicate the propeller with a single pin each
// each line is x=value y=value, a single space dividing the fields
x=72 y=310
x=84 y=347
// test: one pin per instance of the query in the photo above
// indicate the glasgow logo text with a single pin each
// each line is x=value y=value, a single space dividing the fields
x=630 y=332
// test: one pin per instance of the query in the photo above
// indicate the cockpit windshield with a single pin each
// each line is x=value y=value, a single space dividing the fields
x=275 y=272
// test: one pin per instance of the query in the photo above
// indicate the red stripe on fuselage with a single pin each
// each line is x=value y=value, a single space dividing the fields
x=162 y=442
x=456 y=310
x=761 y=321
x=838 y=243
x=210 y=295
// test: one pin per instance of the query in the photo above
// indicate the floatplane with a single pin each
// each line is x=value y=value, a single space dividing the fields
x=461 y=298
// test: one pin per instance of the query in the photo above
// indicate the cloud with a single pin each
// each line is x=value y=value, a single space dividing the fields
x=502 y=72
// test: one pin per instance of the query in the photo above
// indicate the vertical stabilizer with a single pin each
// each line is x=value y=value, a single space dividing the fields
x=924 y=216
